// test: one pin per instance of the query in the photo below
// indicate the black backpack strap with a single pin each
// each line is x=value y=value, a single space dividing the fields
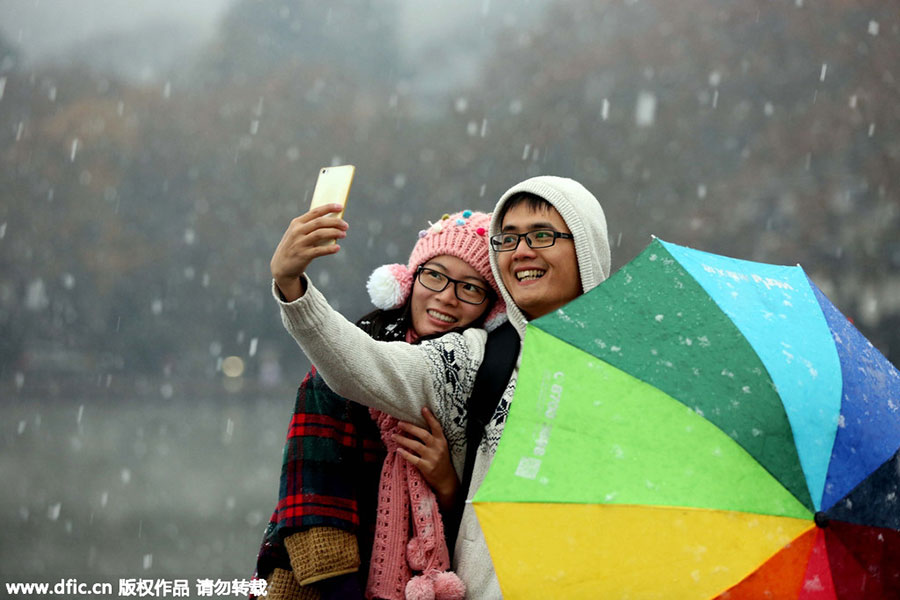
x=500 y=354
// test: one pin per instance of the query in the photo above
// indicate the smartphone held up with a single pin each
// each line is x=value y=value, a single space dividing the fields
x=333 y=187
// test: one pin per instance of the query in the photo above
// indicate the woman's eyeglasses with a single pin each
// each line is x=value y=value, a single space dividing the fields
x=539 y=238
x=438 y=282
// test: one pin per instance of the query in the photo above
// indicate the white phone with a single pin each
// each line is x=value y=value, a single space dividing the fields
x=333 y=186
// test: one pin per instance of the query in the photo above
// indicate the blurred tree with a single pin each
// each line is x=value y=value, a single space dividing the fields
x=755 y=129
x=137 y=220
x=162 y=203
x=257 y=38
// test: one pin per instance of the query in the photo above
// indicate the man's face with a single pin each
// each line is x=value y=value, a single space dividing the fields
x=539 y=280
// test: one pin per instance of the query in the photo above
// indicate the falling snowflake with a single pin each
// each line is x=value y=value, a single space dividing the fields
x=645 y=110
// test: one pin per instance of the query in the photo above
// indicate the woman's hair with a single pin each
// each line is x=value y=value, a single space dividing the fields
x=387 y=325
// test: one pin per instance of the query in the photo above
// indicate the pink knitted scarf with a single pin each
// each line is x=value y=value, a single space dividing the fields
x=403 y=492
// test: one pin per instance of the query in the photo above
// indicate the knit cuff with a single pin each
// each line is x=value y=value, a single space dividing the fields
x=282 y=585
x=306 y=312
x=322 y=552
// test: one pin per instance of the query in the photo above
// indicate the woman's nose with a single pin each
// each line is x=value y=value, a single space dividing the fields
x=448 y=294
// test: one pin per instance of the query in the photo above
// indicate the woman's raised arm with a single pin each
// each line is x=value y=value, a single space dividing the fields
x=394 y=377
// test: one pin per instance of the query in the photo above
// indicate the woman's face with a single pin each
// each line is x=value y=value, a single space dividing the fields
x=437 y=312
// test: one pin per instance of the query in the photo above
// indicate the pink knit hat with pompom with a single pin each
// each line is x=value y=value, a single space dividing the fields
x=463 y=235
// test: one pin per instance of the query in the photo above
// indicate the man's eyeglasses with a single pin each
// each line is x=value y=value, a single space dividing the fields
x=539 y=238
x=465 y=291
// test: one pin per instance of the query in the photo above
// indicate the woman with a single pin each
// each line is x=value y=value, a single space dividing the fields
x=447 y=285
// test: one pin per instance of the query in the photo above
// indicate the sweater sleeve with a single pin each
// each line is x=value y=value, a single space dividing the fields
x=394 y=377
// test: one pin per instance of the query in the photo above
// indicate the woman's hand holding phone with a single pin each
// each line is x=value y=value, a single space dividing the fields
x=307 y=238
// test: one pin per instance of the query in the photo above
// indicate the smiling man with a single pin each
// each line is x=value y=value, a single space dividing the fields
x=536 y=256
x=549 y=245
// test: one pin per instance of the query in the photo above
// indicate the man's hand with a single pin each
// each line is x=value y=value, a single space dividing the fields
x=305 y=240
x=427 y=450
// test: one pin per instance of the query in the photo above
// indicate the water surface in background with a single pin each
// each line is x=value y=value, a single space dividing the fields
x=138 y=489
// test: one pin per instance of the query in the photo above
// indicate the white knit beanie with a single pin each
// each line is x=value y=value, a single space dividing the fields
x=583 y=216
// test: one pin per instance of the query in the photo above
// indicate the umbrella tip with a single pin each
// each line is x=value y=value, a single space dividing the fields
x=821 y=520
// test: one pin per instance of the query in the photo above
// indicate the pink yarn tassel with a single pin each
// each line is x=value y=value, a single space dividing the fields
x=388 y=570
x=394 y=555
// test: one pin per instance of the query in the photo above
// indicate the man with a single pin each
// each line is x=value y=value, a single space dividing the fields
x=549 y=244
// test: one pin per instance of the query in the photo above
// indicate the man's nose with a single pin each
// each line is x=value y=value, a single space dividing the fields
x=523 y=250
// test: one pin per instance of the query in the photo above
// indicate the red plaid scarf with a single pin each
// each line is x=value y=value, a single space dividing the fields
x=329 y=472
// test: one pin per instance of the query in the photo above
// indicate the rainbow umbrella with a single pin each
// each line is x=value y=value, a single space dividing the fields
x=698 y=427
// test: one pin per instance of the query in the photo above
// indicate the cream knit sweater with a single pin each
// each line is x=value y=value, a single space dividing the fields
x=400 y=378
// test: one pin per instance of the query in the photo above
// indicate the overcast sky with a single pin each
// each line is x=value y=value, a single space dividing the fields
x=43 y=28
x=46 y=27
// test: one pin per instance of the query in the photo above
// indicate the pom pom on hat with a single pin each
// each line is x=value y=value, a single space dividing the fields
x=389 y=286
